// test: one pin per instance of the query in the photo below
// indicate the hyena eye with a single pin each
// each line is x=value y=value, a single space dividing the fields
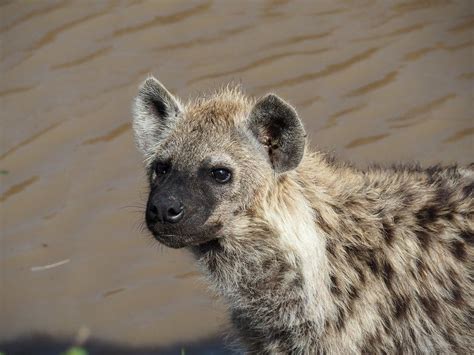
x=162 y=168
x=221 y=175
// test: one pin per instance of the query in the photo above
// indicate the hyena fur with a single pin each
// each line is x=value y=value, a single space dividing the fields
x=312 y=256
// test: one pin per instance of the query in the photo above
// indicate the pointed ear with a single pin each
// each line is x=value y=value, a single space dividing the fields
x=155 y=110
x=276 y=125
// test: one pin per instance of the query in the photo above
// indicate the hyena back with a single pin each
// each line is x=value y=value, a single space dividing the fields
x=311 y=255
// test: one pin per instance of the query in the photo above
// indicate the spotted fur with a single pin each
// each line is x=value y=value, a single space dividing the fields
x=326 y=258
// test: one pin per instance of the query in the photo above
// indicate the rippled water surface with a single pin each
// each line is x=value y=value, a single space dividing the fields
x=373 y=81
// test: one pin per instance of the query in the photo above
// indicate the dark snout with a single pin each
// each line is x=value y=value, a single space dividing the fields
x=167 y=209
x=176 y=214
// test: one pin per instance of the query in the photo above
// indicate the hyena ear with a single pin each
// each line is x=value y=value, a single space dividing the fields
x=277 y=126
x=155 y=110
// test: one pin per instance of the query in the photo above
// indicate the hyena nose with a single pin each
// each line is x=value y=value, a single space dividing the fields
x=171 y=211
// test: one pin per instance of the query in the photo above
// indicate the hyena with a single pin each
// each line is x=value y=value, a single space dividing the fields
x=312 y=256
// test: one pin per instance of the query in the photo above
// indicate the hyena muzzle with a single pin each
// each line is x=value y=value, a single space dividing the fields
x=310 y=254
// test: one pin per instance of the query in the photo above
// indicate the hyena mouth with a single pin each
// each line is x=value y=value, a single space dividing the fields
x=181 y=240
x=177 y=242
x=173 y=241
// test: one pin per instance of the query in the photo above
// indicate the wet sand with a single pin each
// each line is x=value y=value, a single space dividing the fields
x=373 y=82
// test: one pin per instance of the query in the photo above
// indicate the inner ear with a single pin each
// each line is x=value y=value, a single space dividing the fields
x=157 y=104
x=155 y=110
x=157 y=100
x=277 y=127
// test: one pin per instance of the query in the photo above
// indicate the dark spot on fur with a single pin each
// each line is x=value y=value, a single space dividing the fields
x=427 y=215
x=401 y=305
x=424 y=239
x=372 y=344
x=412 y=335
x=443 y=195
x=341 y=319
x=452 y=275
x=408 y=198
x=468 y=190
x=368 y=348
x=268 y=264
x=330 y=248
x=297 y=281
x=470 y=316
x=387 y=324
x=207 y=251
x=421 y=267
x=456 y=298
x=280 y=336
x=431 y=307
x=468 y=237
x=338 y=210
x=387 y=274
x=443 y=198
x=432 y=171
x=365 y=255
x=458 y=249
x=361 y=274
x=335 y=286
x=353 y=293
x=284 y=268
x=399 y=346
x=452 y=341
x=428 y=330
x=373 y=266
x=388 y=233
x=456 y=293
x=350 y=249
x=453 y=172
x=279 y=276
x=380 y=211
x=252 y=336
x=449 y=216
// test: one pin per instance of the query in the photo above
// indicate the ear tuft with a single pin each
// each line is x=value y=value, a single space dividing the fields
x=276 y=126
x=154 y=110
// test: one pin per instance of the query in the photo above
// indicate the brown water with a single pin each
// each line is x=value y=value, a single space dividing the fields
x=372 y=81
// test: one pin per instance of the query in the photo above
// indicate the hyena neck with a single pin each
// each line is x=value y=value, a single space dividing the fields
x=273 y=266
x=288 y=212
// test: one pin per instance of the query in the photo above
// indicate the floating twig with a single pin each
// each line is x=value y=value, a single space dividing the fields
x=50 y=266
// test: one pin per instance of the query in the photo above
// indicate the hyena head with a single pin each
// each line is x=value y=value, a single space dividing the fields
x=209 y=159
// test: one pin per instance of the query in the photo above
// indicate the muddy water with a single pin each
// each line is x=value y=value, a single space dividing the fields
x=372 y=81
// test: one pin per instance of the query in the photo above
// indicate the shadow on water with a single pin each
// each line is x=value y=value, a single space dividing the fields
x=39 y=344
